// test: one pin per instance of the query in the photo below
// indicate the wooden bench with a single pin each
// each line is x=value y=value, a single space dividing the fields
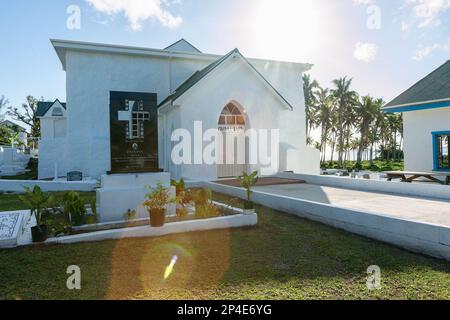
x=407 y=176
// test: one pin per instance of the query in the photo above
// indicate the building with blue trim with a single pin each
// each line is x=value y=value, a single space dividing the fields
x=426 y=121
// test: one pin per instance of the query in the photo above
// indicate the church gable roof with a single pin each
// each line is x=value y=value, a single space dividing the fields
x=199 y=75
x=182 y=45
x=44 y=106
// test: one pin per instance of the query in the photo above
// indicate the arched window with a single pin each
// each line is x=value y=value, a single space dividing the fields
x=231 y=115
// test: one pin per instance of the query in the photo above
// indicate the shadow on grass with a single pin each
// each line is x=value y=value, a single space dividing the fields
x=284 y=257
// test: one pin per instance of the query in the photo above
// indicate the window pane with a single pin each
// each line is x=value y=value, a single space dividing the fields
x=236 y=111
x=240 y=120
x=231 y=120
x=443 y=150
x=57 y=112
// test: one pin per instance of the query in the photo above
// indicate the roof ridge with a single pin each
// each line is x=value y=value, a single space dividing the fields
x=199 y=75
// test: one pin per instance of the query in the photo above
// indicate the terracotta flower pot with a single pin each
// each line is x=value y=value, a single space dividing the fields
x=157 y=217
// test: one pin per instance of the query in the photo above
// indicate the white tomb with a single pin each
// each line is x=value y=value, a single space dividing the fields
x=13 y=162
x=11 y=227
x=122 y=192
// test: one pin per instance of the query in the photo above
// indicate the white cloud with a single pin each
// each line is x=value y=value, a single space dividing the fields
x=363 y=2
x=423 y=52
x=137 y=11
x=365 y=52
x=428 y=12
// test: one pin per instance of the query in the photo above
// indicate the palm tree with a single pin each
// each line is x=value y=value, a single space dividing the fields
x=324 y=117
x=345 y=98
x=394 y=125
x=375 y=130
x=350 y=121
x=333 y=133
x=366 y=111
x=309 y=87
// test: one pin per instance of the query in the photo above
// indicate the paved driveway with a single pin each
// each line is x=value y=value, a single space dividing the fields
x=411 y=208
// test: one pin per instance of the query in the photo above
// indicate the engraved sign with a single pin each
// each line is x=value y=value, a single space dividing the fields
x=74 y=176
x=134 y=132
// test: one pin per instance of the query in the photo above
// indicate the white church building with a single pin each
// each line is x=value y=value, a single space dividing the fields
x=116 y=93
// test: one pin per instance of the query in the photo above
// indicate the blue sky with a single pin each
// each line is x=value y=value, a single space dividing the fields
x=405 y=39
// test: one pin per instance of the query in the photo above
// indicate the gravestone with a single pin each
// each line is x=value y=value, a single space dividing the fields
x=10 y=228
x=134 y=157
x=134 y=132
x=75 y=176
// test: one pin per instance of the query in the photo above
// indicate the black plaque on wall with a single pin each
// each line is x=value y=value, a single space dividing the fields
x=134 y=132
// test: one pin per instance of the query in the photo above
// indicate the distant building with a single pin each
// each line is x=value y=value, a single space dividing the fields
x=426 y=116
x=23 y=135
x=52 y=143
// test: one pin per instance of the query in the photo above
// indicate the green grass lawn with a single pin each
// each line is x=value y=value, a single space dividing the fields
x=284 y=257
x=11 y=202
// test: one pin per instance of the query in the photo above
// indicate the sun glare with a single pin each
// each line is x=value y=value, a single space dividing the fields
x=282 y=28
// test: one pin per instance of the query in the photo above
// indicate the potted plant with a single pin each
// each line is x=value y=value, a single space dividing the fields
x=156 y=203
x=247 y=182
x=38 y=202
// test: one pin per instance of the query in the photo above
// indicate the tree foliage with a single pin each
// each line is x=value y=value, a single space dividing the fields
x=27 y=115
x=349 y=123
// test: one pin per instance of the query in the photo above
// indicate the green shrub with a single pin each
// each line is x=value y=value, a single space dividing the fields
x=204 y=207
x=38 y=202
x=202 y=197
x=74 y=206
x=248 y=181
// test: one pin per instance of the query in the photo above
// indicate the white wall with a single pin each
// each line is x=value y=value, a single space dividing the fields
x=418 y=144
x=235 y=81
x=91 y=76
x=52 y=151
x=53 y=144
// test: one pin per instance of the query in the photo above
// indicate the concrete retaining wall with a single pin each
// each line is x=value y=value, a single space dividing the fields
x=236 y=221
x=47 y=186
x=428 y=190
x=416 y=236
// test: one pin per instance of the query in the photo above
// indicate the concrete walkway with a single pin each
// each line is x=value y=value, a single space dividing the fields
x=415 y=223
x=404 y=207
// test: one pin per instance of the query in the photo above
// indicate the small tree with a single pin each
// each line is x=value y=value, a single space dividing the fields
x=37 y=201
x=3 y=103
x=247 y=182
x=3 y=129
x=27 y=116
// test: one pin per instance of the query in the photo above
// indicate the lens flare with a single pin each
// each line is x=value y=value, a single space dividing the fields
x=169 y=269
